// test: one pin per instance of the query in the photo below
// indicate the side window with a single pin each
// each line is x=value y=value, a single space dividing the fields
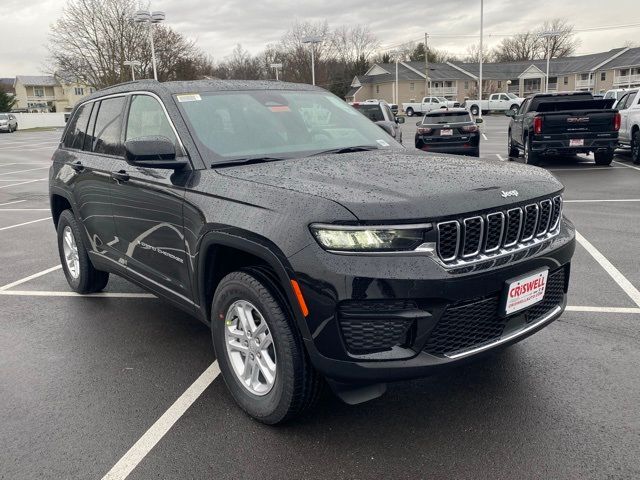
x=622 y=101
x=503 y=97
x=77 y=128
x=108 y=127
x=89 y=138
x=523 y=107
x=147 y=118
x=389 y=115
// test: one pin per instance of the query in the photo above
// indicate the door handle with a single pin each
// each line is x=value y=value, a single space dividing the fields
x=120 y=176
x=77 y=166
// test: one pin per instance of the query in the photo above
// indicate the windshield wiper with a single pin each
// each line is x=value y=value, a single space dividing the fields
x=357 y=148
x=244 y=161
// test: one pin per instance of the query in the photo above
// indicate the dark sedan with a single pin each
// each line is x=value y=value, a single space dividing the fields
x=449 y=131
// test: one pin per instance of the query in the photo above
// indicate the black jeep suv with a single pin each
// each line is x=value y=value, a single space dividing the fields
x=314 y=245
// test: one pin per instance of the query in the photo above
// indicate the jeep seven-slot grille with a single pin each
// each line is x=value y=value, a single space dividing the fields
x=463 y=240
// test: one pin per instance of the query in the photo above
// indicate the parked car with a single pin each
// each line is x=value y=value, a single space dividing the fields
x=552 y=124
x=629 y=107
x=394 y=106
x=8 y=122
x=310 y=241
x=497 y=102
x=449 y=131
x=428 y=104
x=380 y=113
x=616 y=94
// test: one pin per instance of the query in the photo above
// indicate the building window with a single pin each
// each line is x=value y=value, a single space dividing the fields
x=466 y=85
x=412 y=86
x=499 y=83
x=38 y=92
x=565 y=80
x=79 y=91
x=377 y=88
x=603 y=76
x=91 y=89
x=624 y=72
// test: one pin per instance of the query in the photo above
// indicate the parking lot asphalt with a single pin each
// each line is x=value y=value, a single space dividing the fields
x=114 y=382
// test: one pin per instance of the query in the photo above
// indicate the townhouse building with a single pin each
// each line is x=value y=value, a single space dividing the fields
x=597 y=73
x=47 y=93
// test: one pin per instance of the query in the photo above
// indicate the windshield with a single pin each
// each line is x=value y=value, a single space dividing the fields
x=4 y=117
x=372 y=112
x=511 y=95
x=277 y=124
x=447 y=117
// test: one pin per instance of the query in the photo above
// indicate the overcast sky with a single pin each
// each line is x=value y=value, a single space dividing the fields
x=218 y=25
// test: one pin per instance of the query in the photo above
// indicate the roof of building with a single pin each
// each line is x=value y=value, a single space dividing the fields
x=352 y=91
x=37 y=81
x=629 y=58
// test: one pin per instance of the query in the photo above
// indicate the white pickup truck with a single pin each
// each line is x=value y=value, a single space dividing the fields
x=428 y=104
x=629 y=134
x=498 y=102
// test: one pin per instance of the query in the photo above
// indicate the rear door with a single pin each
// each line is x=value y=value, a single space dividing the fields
x=87 y=175
x=147 y=207
x=517 y=129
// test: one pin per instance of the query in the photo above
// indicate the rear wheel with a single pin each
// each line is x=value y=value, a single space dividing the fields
x=474 y=110
x=530 y=157
x=512 y=150
x=81 y=275
x=603 y=158
x=409 y=112
x=260 y=351
x=635 y=147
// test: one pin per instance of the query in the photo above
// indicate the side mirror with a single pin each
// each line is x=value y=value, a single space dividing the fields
x=418 y=123
x=510 y=113
x=479 y=120
x=386 y=127
x=152 y=152
x=400 y=120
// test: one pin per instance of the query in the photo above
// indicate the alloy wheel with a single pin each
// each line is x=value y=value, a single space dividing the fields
x=70 y=249
x=250 y=347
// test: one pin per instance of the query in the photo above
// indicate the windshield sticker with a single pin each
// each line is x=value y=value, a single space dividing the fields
x=382 y=143
x=191 y=97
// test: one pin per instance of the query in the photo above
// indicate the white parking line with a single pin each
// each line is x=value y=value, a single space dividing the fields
x=142 y=447
x=11 y=203
x=500 y=157
x=22 y=171
x=25 y=223
x=628 y=166
x=23 y=183
x=25 y=209
x=619 y=278
x=604 y=201
x=578 y=308
x=44 y=293
x=484 y=136
x=30 y=277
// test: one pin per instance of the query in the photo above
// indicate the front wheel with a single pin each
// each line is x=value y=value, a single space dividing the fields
x=81 y=275
x=259 y=350
x=409 y=112
x=635 y=147
x=530 y=157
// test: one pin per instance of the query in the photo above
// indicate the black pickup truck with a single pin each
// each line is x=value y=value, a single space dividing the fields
x=555 y=124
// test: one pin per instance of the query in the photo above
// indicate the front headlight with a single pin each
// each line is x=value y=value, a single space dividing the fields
x=376 y=238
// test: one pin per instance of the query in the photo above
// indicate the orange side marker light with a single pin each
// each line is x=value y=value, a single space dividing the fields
x=301 y=302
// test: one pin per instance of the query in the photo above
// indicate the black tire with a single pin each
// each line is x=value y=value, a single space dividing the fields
x=88 y=280
x=476 y=152
x=635 y=147
x=530 y=157
x=297 y=385
x=474 y=110
x=512 y=150
x=514 y=107
x=603 y=158
x=409 y=112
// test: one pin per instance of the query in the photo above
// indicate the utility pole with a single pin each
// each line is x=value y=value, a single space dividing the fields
x=426 y=66
x=396 y=100
x=481 y=55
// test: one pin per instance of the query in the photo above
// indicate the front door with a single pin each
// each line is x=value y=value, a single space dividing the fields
x=147 y=208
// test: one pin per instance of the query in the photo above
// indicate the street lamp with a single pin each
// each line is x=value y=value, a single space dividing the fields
x=312 y=41
x=132 y=63
x=481 y=55
x=276 y=67
x=144 y=16
x=548 y=35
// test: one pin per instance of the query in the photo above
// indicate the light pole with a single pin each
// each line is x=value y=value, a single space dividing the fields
x=481 y=55
x=133 y=64
x=312 y=41
x=276 y=67
x=548 y=35
x=144 y=16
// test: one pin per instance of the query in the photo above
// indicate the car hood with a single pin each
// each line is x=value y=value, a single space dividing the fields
x=399 y=185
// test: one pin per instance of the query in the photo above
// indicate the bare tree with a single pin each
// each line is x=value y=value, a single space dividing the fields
x=563 y=43
x=473 y=54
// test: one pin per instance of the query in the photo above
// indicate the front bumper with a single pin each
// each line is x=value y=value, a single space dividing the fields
x=4 y=128
x=386 y=318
